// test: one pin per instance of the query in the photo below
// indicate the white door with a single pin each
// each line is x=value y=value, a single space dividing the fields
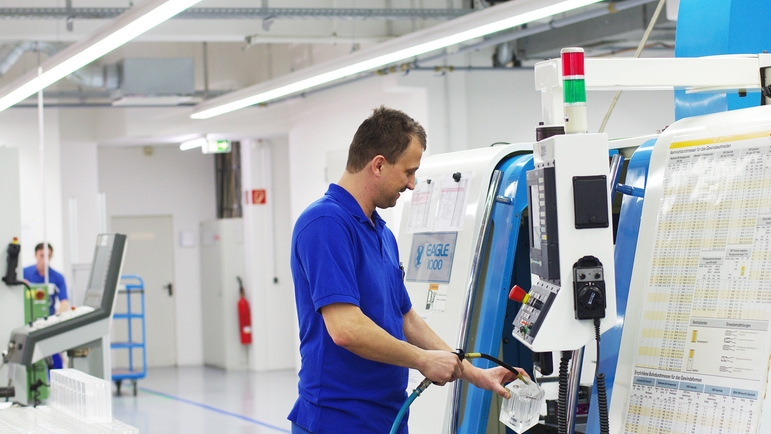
x=150 y=255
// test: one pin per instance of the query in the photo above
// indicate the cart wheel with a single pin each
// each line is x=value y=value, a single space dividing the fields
x=135 y=387
x=117 y=386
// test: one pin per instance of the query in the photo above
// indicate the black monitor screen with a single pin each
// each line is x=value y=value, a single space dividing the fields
x=105 y=270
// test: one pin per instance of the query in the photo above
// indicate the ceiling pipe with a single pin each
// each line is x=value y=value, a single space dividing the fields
x=243 y=13
x=94 y=76
x=10 y=54
x=611 y=8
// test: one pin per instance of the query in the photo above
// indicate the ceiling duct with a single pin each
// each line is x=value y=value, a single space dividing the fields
x=141 y=81
x=104 y=77
x=10 y=54
x=156 y=81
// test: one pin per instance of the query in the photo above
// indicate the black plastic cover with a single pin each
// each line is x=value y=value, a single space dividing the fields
x=590 y=201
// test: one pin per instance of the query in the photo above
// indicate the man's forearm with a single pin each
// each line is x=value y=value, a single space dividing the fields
x=351 y=329
x=421 y=335
x=354 y=331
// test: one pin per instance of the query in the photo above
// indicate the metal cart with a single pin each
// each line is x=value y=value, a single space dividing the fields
x=131 y=285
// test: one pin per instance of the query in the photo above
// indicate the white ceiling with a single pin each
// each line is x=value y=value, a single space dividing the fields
x=285 y=44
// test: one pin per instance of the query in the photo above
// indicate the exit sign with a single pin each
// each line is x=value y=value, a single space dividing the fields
x=216 y=147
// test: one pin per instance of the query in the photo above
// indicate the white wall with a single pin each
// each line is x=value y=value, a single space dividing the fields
x=168 y=182
x=79 y=178
x=80 y=181
x=267 y=229
x=11 y=297
x=478 y=108
x=327 y=121
x=19 y=128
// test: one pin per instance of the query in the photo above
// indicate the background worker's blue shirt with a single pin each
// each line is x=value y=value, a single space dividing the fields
x=32 y=276
x=339 y=256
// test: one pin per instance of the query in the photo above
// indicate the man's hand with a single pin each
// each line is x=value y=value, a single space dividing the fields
x=493 y=378
x=441 y=366
x=64 y=306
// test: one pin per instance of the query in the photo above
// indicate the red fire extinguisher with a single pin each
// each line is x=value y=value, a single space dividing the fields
x=244 y=316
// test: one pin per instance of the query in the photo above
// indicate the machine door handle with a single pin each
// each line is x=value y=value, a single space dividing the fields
x=168 y=288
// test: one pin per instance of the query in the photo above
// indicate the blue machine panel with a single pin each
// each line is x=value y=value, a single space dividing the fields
x=498 y=272
x=711 y=27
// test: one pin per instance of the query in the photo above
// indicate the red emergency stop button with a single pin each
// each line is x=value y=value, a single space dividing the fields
x=517 y=294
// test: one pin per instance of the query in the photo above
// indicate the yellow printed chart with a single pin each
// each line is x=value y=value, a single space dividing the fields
x=700 y=361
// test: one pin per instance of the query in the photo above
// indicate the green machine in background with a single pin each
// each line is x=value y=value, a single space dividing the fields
x=36 y=305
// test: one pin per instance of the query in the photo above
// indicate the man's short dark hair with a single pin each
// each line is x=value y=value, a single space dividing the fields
x=40 y=247
x=388 y=132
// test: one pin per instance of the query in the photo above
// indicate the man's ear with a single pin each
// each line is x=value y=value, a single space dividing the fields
x=377 y=164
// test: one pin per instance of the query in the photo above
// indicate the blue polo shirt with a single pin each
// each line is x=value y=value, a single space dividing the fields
x=32 y=276
x=339 y=256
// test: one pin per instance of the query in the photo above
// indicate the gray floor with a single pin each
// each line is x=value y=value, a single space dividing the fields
x=208 y=400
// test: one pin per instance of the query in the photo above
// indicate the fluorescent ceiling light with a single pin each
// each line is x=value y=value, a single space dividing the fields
x=126 y=27
x=465 y=28
x=192 y=144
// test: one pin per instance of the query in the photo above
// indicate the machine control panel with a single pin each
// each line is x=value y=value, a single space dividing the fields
x=571 y=244
x=44 y=328
x=544 y=238
x=533 y=312
x=84 y=324
x=589 y=288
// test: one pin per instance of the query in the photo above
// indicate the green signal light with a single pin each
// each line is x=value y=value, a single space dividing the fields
x=574 y=91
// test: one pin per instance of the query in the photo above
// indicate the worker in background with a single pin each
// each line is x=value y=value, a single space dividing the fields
x=36 y=274
x=358 y=331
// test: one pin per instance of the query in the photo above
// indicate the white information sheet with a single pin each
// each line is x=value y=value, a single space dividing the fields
x=436 y=297
x=703 y=341
x=420 y=207
x=453 y=198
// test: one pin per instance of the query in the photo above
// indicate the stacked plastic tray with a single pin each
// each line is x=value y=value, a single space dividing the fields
x=86 y=398
x=48 y=420
x=80 y=404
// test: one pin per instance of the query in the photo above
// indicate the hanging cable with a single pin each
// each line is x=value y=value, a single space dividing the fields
x=602 y=397
x=499 y=362
x=562 y=399
x=640 y=47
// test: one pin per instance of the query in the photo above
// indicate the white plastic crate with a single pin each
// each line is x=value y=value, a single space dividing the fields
x=48 y=420
x=86 y=398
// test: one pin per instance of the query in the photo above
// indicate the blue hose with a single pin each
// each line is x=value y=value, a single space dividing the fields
x=402 y=411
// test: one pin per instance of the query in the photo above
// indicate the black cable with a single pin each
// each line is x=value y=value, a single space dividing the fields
x=602 y=396
x=562 y=401
x=510 y=368
x=499 y=362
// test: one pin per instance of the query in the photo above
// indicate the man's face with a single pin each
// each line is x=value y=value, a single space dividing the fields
x=40 y=257
x=400 y=176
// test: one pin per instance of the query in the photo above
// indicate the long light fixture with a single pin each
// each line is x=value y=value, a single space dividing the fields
x=465 y=28
x=192 y=144
x=126 y=27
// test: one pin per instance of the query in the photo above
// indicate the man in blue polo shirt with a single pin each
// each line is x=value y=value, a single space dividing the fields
x=358 y=332
x=36 y=274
